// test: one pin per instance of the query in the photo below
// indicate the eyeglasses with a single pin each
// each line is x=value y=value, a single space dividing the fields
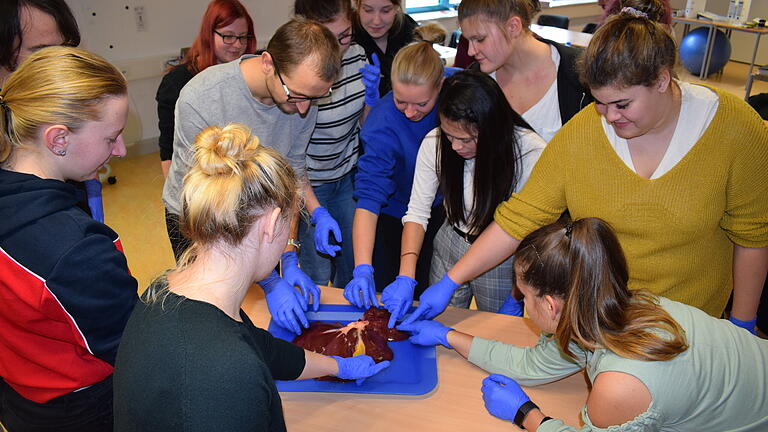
x=230 y=39
x=345 y=37
x=294 y=99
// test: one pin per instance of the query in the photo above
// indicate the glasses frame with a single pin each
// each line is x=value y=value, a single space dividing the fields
x=244 y=39
x=295 y=99
x=345 y=39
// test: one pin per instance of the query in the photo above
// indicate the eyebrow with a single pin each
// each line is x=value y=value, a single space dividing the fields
x=612 y=102
x=400 y=101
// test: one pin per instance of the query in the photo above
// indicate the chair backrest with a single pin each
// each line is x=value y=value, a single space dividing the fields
x=589 y=28
x=553 y=21
x=454 y=40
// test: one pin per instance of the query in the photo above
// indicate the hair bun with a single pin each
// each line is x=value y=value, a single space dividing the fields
x=651 y=9
x=222 y=151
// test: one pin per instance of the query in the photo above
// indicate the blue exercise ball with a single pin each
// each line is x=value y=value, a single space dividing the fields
x=693 y=46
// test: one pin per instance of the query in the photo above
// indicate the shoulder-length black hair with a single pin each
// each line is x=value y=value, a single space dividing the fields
x=477 y=104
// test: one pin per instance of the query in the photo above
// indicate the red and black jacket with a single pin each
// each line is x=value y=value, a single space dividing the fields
x=65 y=290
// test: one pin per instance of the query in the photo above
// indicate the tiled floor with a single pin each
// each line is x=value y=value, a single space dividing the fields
x=134 y=208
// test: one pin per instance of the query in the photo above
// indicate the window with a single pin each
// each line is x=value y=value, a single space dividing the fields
x=412 y=6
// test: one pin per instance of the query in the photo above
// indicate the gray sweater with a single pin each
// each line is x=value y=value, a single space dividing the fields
x=218 y=96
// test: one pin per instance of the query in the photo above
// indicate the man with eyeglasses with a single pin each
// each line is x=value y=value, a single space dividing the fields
x=275 y=94
x=333 y=151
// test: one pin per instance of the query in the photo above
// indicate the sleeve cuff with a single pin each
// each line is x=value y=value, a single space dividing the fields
x=369 y=204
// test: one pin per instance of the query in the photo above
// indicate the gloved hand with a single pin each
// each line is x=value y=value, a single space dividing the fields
x=427 y=332
x=296 y=277
x=512 y=307
x=747 y=325
x=361 y=290
x=371 y=78
x=398 y=297
x=325 y=224
x=434 y=300
x=503 y=396
x=285 y=304
x=358 y=367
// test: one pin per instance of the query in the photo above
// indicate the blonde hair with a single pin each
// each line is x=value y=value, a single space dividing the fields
x=56 y=85
x=234 y=180
x=432 y=32
x=418 y=64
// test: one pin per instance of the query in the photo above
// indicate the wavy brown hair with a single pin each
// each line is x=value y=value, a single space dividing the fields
x=582 y=263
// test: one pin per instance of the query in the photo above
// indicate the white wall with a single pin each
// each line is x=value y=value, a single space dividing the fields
x=109 y=28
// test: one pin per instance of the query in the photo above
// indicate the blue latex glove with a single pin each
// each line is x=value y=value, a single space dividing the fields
x=427 y=332
x=285 y=304
x=747 y=325
x=358 y=367
x=503 y=396
x=371 y=78
x=512 y=307
x=325 y=224
x=296 y=277
x=95 y=203
x=361 y=290
x=398 y=297
x=434 y=300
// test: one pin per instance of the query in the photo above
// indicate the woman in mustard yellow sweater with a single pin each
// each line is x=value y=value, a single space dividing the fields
x=679 y=170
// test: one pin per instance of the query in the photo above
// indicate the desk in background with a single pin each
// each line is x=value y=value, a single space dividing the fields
x=728 y=27
x=563 y=36
x=456 y=404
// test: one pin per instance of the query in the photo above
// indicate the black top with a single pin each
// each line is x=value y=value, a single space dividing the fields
x=395 y=41
x=167 y=95
x=571 y=95
x=184 y=365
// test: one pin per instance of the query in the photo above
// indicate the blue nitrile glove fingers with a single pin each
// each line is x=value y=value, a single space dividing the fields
x=398 y=297
x=285 y=304
x=371 y=75
x=503 y=396
x=361 y=290
x=325 y=224
x=358 y=367
x=512 y=307
x=434 y=300
x=747 y=325
x=295 y=276
x=95 y=202
x=427 y=332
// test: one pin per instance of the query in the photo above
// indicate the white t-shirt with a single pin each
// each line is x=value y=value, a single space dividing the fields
x=544 y=116
x=697 y=108
x=426 y=181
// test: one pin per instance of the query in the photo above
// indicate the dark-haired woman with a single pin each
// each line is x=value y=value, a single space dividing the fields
x=654 y=364
x=481 y=153
x=226 y=33
x=677 y=169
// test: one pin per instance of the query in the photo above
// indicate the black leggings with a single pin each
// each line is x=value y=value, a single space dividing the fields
x=386 y=251
x=179 y=243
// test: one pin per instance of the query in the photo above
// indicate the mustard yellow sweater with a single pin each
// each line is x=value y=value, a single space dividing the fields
x=677 y=231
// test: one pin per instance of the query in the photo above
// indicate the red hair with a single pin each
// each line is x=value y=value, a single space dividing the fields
x=220 y=13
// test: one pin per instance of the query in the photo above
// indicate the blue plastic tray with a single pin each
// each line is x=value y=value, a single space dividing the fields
x=413 y=371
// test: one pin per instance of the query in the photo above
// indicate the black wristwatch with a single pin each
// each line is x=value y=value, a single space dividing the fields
x=522 y=412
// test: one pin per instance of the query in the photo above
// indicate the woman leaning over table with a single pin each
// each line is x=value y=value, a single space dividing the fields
x=481 y=153
x=191 y=359
x=654 y=364
x=537 y=75
x=677 y=169
x=66 y=290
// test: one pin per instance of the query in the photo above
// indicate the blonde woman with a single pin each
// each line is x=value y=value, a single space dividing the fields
x=66 y=290
x=190 y=358
x=654 y=364
x=391 y=137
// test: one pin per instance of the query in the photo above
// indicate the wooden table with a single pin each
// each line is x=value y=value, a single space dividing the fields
x=563 y=36
x=728 y=27
x=456 y=404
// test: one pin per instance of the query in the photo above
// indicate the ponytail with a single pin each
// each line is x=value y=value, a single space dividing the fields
x=582 y=263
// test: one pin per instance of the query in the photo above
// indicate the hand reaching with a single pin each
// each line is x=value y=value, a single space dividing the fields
x=398 y=297
x=295 y=276
x=325 y=225
x=361 y=290
x=371 y=79
x=434 y=300
x=285 y=304
x=359 y=367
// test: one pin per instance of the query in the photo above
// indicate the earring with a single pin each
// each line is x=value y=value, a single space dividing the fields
x=61 y=152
